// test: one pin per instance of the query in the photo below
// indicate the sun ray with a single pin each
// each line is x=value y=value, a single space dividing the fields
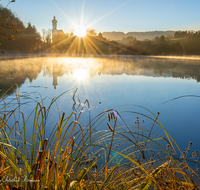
x=82 y=13
x=106 y=15
x=88 y=46
x=63 y=41
x=80 y=49
x=57 y=44
x=63 y=13
x=94 y=45
x=73 y=46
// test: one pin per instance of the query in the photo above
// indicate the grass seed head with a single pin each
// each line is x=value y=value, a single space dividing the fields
x=187 y=150
x=109 y=118
x=168 y=146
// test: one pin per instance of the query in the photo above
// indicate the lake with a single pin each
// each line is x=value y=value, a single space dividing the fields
x=108 y=82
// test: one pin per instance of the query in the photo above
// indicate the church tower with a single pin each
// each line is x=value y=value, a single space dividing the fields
x=54 y=22
x=54 y=30
x=57 y=35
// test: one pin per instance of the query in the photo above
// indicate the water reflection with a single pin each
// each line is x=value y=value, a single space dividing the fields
x=18 y=71
x=80 y=74
x=106 y=83
x=55 y=75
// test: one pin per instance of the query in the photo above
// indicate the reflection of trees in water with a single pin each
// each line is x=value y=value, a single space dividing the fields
x=177 y=68
x=17 y=71
x=155 y=67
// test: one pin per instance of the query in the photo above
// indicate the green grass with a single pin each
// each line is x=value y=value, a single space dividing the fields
x=77 y=155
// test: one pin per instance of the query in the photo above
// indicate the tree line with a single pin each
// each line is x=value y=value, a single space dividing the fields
x=182 y=43
x=15 y=36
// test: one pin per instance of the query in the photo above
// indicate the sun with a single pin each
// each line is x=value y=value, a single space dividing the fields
x=80 y=31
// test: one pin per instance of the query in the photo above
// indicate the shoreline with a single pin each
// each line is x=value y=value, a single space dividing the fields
x=12 y=56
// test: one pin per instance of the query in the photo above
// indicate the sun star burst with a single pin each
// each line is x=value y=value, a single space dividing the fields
x=80 y=31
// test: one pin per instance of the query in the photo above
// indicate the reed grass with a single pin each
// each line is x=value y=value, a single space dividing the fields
x=83 y=157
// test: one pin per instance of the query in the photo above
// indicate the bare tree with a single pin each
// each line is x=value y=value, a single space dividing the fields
x=46 y=36
x=91 y=32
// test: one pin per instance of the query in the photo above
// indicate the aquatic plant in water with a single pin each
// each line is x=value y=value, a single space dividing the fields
x=77 y=155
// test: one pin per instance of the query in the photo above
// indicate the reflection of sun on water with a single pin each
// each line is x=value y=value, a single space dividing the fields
x=80 y=74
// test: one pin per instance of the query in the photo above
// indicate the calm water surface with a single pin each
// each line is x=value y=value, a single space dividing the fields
x=110 y=82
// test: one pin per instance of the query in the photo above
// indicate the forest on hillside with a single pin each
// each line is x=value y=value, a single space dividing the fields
x=15 y=37
x=182 y=43
x=139 y=35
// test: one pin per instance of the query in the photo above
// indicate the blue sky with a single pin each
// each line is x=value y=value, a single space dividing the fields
x=110 y=15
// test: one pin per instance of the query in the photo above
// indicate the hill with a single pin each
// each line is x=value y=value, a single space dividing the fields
x=139 y=35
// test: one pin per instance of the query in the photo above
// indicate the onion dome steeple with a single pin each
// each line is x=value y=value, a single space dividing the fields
x=54 y=22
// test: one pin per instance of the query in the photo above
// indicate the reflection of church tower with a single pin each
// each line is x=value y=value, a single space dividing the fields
x=55 y=83
x=54 y=30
